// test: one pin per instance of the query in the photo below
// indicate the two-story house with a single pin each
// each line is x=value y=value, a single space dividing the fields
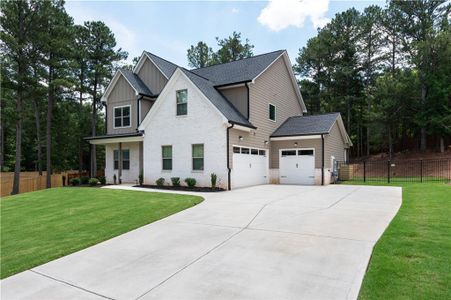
x=243 y=121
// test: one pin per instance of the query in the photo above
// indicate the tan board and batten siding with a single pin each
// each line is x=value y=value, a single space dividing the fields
x=238 y=97
x=273 y=86
x=122 y=94
x=152 y=77
x=333 y=146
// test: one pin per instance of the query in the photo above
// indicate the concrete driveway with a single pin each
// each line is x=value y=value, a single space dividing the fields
x=263 y=242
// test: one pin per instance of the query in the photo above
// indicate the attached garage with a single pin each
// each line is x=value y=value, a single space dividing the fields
x=250 y=166
x=297 y=166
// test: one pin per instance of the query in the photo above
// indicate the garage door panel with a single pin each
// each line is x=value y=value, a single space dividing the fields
x=249 y=169
x=297 y=167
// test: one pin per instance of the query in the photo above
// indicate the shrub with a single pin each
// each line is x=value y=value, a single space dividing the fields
x=191 y=182
x=102 y=180
x=175 y=181
x=141 y=178
x=214 y=179
x=93 y=181
x=75 y=181
x=160 y=181
x=84 y=179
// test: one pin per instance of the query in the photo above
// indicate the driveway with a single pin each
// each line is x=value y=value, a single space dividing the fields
x=263 y=242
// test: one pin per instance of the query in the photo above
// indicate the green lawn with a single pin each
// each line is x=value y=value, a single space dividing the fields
x=412 y=260
x=41 y=226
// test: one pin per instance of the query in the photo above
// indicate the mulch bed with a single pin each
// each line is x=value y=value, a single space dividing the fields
x=182 y=188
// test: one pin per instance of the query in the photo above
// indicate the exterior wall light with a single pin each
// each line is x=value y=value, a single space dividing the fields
x=240 y=137
x=266 y=142
x=295 y=144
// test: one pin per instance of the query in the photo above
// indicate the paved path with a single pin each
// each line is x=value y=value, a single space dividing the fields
x=263 y=242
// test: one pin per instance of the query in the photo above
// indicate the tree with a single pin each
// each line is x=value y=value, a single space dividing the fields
x=102 y=59
x=232 y=48
x=17 y=23
x=199 y=56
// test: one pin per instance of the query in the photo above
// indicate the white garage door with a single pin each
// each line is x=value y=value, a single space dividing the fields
x=250 y=167
x=297 y=166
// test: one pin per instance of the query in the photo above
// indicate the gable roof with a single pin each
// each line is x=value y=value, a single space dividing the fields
x=166 y=67
x=217 y=99
x=306 y=125
x=245 y=69
x=137 y=84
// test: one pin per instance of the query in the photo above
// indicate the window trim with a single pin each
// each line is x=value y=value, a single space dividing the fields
x=114 y=116
x=192 y=158
x=162 y=159
x=177 y=104
x=269 y=112
x=296 y=149
x=239 y=147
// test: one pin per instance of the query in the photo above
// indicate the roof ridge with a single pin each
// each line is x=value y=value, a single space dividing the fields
x=238 y=60
x=185 y=69
x=331 y=113
x=162 y=58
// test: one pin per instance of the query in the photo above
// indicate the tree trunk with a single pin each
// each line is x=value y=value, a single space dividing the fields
x=390 y=143
x=18 y=142
x=38 y=134
x=49 y=129
x=2 y=142
x=80 y=143
x=442 y=144
x=423 y=145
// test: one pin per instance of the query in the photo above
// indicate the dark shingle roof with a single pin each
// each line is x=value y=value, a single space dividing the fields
x=165 y=66
x=221 y=103
x=136 y=82
x=239 y=70
x=306 y=125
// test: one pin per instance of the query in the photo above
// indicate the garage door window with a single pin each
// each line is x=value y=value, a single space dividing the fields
x=236 y=149
x=288 y=153
x=262 y=152
x=305 y=152
x=254 y=151
x=244 y=150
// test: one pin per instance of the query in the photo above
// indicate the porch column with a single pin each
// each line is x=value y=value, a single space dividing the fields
x=120 y=163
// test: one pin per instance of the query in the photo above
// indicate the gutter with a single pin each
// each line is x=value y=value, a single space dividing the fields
x=229 y=170
x=231 y=83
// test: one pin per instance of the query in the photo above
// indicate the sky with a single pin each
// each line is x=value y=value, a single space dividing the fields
x=169 y=28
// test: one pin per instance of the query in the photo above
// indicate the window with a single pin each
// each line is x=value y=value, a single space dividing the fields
x=125 y=159
x=182 y=102
x=236 y=149
x=198 y=157
x=305 y=152
x=254 y=151
x=166 y=155
x=272 y=112
x=122 y=116
x=244 y=150
x=262 y=152
x=289 y=153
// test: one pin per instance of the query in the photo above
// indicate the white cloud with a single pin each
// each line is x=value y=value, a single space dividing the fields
x=125 y=37
x=280 y=14
x=235 y=10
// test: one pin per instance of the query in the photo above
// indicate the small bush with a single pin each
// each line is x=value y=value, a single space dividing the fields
x=191 y=182
x=214 y=179
x=75 y=181
x=102 y=180
x=93 y=181
x=160 y=181
x=141 y=178
x=84 y=179
x=175 y=181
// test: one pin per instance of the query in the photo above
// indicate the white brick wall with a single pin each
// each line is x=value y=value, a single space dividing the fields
x=202 y=125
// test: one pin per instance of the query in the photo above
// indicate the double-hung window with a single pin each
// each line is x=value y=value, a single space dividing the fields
x=166 y=155
x=182 y=102
x=198 y=157
x=272 y=112
x=122 y=116
x=125 y=159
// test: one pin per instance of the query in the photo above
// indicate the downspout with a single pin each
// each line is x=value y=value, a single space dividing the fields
x=229 y=170
x=248 y=102
x=322 y=159
x=138 y=111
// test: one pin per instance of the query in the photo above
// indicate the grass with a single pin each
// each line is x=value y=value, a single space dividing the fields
x=41 y=226
x=412 y=260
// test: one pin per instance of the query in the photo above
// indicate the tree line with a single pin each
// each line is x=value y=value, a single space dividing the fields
x=53 y=74
x=388 y=71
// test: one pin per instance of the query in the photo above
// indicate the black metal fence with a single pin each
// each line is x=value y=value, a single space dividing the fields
x=396 y=171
